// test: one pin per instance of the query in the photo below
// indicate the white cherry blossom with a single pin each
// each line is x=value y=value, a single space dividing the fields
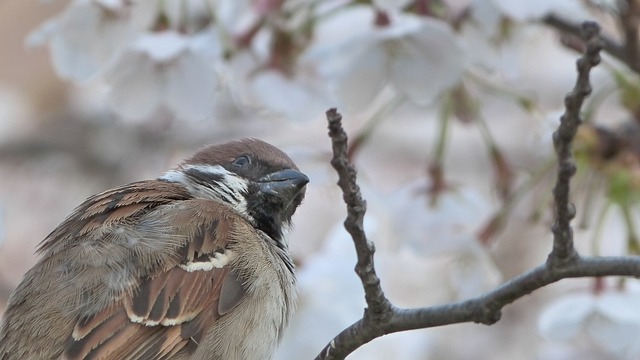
x=85 y=37
x=294 y=98
x=448 y=228
x=271 y=93
x=444 y=226
x=166 y=68
x=419 y=57
x=611 y=319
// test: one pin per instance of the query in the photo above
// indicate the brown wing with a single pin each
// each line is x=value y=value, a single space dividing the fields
x=111 y=207
x=140 y=272
x=171 y=303
x=169 y=311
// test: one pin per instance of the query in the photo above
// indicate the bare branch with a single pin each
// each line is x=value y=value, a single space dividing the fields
x=563 y=249
x=382 y=317
x=611 y=46
x=486 y=309
x=379 y=309
x=378 y=305
x=629 y=21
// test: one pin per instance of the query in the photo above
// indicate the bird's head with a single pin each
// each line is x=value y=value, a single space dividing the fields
x=256 y=179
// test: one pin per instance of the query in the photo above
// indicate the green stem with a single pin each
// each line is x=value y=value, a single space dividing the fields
x=499 y=218
x=632 y=239
x=597 y=234
x=435 y=167
x=445 y=114
x=591 y=194
x=500 y=90
x=184 y=10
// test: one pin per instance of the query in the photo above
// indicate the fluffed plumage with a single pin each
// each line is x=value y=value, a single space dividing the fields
x=193 y=265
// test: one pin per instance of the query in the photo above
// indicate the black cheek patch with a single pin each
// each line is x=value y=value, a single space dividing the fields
x=204 y=177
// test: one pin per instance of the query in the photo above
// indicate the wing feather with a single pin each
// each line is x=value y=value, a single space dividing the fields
x=166 y=309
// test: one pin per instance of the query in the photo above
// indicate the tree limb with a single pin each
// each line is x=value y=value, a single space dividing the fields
x=611 y=46
x=629 y=18
x=381 y=317
x=563 y=249
x=379 y=309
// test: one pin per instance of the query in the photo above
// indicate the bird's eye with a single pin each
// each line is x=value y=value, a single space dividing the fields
x=242 y=161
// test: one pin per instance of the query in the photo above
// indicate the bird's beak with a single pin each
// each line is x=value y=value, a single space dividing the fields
x=284 y=183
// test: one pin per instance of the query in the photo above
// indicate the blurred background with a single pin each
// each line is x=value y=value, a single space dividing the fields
x=450 y=106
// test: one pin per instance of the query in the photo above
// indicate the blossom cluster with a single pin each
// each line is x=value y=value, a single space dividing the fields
x=290 y=58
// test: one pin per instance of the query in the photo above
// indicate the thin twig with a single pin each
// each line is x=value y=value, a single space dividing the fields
x=563 y=249
x=379 y=309
x=611 y=46
x=629 y=17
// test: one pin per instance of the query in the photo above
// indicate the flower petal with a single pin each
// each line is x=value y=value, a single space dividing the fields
x=618 y=338
x=75 y=52
x=427 y=62
x=565 y=317
x=295 y=99
x=363 y=79
x=620 y=307
x=161 y=46
x=191 y=86
x=135 y=86
x=473 y=271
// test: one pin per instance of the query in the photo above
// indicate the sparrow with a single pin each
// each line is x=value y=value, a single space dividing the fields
x=192 y=265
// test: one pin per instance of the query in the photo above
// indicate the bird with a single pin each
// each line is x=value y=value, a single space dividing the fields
x=192 y=265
